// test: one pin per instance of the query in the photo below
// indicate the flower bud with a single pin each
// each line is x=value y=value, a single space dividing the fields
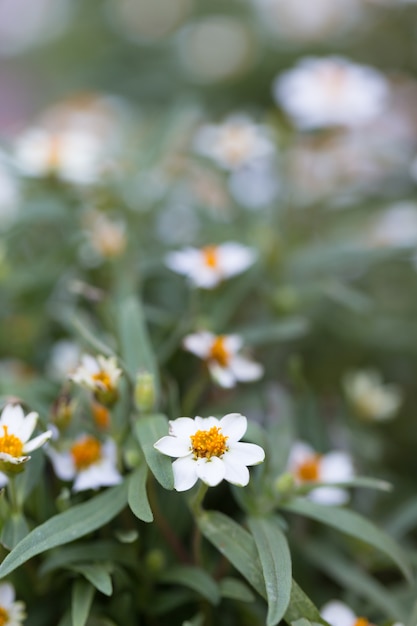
x=285 y=484
x=145 y=392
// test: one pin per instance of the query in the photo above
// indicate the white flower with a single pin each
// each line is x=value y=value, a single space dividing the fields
x=11 y=613
x=236 y=142
x=9 y=197
x=221 y=353
x=396 y=227
x=106 y=236
x=100 y=375
x=307 y=466
x=339 y=614
x=370 y=397
x=89 y=462
x=255 y=186
x=331 y=91
x=63 y=360
x=16 y=429
x=73 y=155
x=209 y=449
x=207 y=267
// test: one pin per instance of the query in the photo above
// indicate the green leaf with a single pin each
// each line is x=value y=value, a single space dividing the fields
x=276 y=565
x=193 y=578
x=68 y=526
x=97 y=575
x=350 y=576
x=265 y=334
x=88 y=336
x=301 y=607
x=14 y=530
x=358 y=481
x=354 y=525
x=197 y=620
x=81 y=601
x=403 y=519
x=29 y=478
x=97 y=551
x=235 y=589
x=135 y=345
x=137 y=496
x=236 y=544
x=148 y=430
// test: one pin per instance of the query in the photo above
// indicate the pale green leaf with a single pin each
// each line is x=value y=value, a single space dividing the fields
x=137 y=497
x=88 y=336
x=275 y=558
x=97 y=551
x=14 y=530
x=193 y=578
x=97 y=575
x=77 y=522
x=353 y=525
x=81 y=601
x=265 y=334
x=301 y=607
x=148 y=430
x=235 y=589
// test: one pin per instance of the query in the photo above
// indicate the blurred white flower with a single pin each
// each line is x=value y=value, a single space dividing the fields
x=337 y=613
x=236 y=142
x=395 y=227
x=89 y=462
x=307 y=466
x=210 y=450
x=16 y=429
x=255 y=185
x=63 y=359
x=207 y=267
x=9 y=197
x=12 y=613
x=221 y=352
x=100 y=375
x=370 y=398
x=290 y=20
x=331 y=91
x=107 y=237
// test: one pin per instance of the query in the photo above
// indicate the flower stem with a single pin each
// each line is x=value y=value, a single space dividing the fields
x=196 y=503
x=12 y=493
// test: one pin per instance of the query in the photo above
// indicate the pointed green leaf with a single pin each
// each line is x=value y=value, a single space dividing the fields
x=354 y=525
x=275 y=558
x=94 y=342
x=97 y=575
x=301 y=607
x=97 y=551
x=137 y=497
x=148 y=430
x=14 y=530
x=235 y=589
x=68 y=526
x=82 y=599
x=286 y=330
x=193 y=578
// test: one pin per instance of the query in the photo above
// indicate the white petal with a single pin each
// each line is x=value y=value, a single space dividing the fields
x=330 y=496
x=173 y=446
x=336 y=467
x=210 y=471
x=300 y=453
x=3 y=481
x=90 y=364
x=102 y=474
x=182 y=261
x=14 y=418
x=182 y=427
x=235 y=258
x=236 y=472
x=232 y=343
x=14 y=460
x=205 y=423
x=199 y=343
x=185 y=475
x=338 y=614
x=37 y=442
x=233 y=426
x=28 y=426
x=246 y=453
x=244 y=369
x=222 y=375
x=7 y=595
x=205 y=277
x=63 y=464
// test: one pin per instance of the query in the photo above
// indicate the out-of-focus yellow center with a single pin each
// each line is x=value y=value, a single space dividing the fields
x=208 y=443
x=310 y=471
x=4 y=616
x=103 y=379
x=211 y=257
x=86 y=452
x=218 y=352
x=10 y=445
x=101 y=415
x=361 y=621
x=54 y=153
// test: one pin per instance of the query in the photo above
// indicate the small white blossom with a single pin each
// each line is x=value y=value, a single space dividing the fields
x=16 y=429
x=209 y=449
x=236 y=142
x=100 y=375
x=307 y=466
x=337 y=613
x=370 y=397
x=63 y=360
x=395 y=227
x=221 y=352
x=332 y=91
x=89 y=462
x=12 y=613
x=207 y=267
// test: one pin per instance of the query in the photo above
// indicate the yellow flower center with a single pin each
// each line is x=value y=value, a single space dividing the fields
x=211 y=258
x=54 y=153
x=86 y=452
x=101 y=415
x=310 y=471
x=361 y=621
x=208 y=443
x=218 y=352
x=4 y=615
x=11 y=445
x=104 y=379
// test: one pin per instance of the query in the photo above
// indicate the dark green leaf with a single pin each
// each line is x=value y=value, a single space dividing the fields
x=148 y=430
x=82 y=599
x=193 y=578
x=97 y=575
x=14 y=530
x=235 y=589
x=137 y=497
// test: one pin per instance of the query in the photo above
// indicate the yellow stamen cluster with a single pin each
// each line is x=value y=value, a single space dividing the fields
x=310 y=471
x=11 y=445
x=101 y=415
x=361 y=621
x=54 y=153
x=86 y=452
x=4 y=616
x=208 y=443
x=218 y=352
x=103 y=380
x=211 y=258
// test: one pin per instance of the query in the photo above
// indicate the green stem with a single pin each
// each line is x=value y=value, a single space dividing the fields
x=196 y=503
x=12 y=493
